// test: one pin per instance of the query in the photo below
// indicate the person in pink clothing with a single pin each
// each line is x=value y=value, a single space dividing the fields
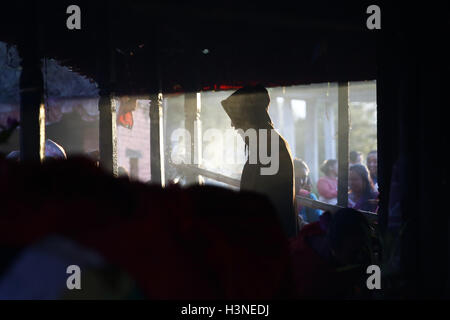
x=327 y=185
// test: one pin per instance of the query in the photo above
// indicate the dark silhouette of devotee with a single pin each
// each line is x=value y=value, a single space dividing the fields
x=269 y=169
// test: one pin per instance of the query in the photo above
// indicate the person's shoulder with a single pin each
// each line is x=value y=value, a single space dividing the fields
x=284 y=148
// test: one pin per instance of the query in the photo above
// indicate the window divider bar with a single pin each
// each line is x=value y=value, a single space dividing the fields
x=343 y=143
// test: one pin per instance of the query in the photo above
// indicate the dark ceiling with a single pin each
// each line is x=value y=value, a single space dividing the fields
x=161 y=46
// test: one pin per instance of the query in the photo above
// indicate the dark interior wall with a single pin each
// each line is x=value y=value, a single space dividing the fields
x=411 y=84
x=159 y=44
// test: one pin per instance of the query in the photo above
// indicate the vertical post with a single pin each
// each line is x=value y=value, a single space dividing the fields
x=198 y=155
x=107 y=105
x=343 y=134
x=280 y=113
x=192 y=108
x=108 y=133
x=166 y=136
x=289 y=126
x=156 y=140
x=32 y=112
x=311 y=139
x=286 y=122
x=134 y=168
x=329 y=131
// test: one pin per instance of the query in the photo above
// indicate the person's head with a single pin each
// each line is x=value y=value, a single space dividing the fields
x=359 y=180
x=248 y=107
x=302 y=180
x=349 y=237
x=372 y=163
x=52 y=151
x=355 y=157
x=330 y=168
x=123 y=173
x=14 y=156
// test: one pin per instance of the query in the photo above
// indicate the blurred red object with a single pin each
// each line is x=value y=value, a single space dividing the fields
x=125 y=114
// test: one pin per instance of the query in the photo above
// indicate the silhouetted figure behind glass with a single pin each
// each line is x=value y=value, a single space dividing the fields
x=355 y=157
x=248 y=109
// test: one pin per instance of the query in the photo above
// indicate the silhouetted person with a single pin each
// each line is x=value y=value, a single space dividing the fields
x=355 y=157
x=362 y=194
x=303 y=187
x=327 y=185
x=267 y=171
x=372 y=165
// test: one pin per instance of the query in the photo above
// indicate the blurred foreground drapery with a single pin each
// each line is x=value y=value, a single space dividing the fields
x=195 y=243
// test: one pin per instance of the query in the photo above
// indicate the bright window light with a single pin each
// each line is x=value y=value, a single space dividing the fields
x=299 y=108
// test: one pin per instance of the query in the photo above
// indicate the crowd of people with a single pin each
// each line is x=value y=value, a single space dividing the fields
x=362 y=184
